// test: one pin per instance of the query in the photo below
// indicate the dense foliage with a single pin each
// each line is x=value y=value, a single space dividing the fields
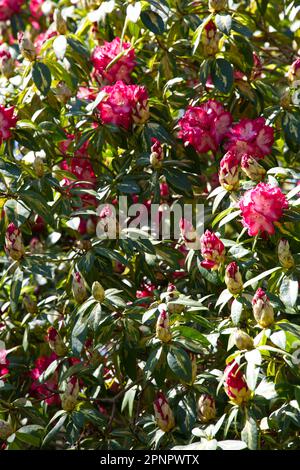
x=139 y=342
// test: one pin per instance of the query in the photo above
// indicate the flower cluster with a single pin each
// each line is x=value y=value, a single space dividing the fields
x=9 y=8
x=121 y=69
x=261 y=207
x=8 y=120
x=252 y=137
x=204 y=127
x=124 y=105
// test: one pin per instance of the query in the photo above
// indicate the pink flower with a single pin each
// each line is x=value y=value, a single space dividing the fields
x=123 y=105
x=42 y=38
x=229 y=171
x=235 y=385
x=251 y=136
x=8 y=120
x=4 y=363
x=294 y=70
x=205 y=126
x=261 y=207
x=9 y=8
x=120 y=70
x=212 y=250
x=48 y=390
x=35 y=7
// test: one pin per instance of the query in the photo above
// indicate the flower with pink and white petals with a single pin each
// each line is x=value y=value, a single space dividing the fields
x=251 y=136
x=212 y=250
x=235 y=384
x=124 y=105
x=229 y=172
x=8 y=120
x=13 y=242
x=163 y=414
x=205 y=126
x=120 y=70
x=35 y=7
x=8 y=8
x=261 y=207
x=294 y=71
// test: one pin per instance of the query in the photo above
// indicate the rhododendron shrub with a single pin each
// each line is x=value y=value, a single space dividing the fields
x=113 y=336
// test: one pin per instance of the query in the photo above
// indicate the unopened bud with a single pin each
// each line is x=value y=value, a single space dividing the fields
x=27 y=48
x=284 y=254
x=7 y=64
x=210 y=39
x=262 y=309
x=217 y=5
x=163 y=331
x=163 y=414
x=38 y=166
x=55 y=342
x=173 y=294
x=13 y=242
x=5 y=430
x=235 y=385
x=78 y=288
x=243 y=340
x=233 y=278
x=252 y=168
x=206 y=408
x=63 y=92
x=98 y=291
x=59 y=22
x=157 y=153
x=70 y=395
x=229 y=172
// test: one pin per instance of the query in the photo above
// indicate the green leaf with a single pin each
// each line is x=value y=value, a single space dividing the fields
x=153 y=21
x=30 y=434
x=180 y=364
x=289 y=289
x=224 y=23
x=255 y=279
x=249 y=433
x=222 y=75
x=41 y=76
x=51 y=434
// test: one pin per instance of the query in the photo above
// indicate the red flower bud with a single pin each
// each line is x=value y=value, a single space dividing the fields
x=163 y=414
x=235 y=385
x=212 y=250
